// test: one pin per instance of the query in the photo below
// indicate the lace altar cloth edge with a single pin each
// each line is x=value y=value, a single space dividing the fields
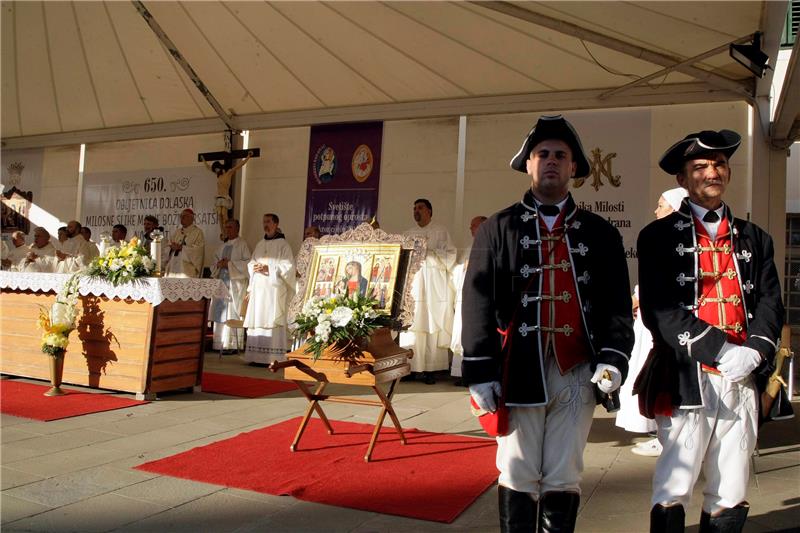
x=152 y=290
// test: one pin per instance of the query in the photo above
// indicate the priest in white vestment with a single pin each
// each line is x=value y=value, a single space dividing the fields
x=41 y=254
x=230 y=266
x=458 y=283
x=186 y=249
x=272 y=281
x=75 y=252
x=431 y=331
x=92 y=250
x=14 y=253
x=61 y=238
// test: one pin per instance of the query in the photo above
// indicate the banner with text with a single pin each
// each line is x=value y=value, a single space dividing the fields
x=344 y=163
x=127 y=197
x=618 y=147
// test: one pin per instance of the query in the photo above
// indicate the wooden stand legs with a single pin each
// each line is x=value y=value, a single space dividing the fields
x=313 y=405
x=384 y=401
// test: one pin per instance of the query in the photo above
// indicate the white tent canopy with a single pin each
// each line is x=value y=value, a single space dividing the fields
x=97 y=71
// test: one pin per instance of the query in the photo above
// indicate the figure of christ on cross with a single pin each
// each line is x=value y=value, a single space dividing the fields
x=224 y=202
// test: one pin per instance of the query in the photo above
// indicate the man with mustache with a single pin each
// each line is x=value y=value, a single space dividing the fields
x=710 y=295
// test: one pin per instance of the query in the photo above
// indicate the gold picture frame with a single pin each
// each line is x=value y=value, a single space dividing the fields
x=344 y=268
x=412 y=253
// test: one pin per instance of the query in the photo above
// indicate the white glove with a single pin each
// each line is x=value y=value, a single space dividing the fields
x=605 y=384
x=737 y=363
x=484 y=395
x=727 y=347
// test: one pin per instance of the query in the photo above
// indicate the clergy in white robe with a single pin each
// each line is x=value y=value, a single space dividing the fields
x=458 y=283
x=92 y=250
x=74 y=253
x=230 y=266
x=186 y=249
x=41 y=254
x=430 y=333
x=58 y=240
x=15 y=253
x=628 y=417
x=272 y=281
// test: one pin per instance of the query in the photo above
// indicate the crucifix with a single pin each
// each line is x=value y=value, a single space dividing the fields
x=225 y=170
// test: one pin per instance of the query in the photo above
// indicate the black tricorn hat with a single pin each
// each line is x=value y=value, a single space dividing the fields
x=695 y=145
x=553 y=127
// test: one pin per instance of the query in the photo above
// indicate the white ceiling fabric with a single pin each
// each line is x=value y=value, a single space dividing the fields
x=97 y=67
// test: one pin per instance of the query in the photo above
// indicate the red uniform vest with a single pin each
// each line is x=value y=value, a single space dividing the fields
x=560 y=319
x=719 y=295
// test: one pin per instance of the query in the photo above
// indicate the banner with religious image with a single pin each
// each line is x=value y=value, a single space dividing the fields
x=344 y=163
x=127 y=197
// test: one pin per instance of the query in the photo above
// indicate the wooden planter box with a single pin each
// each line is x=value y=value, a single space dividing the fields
x=122 y=345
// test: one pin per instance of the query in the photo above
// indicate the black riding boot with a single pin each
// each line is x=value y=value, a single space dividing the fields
x=517 y=511
x=668 y=519
x=727 y=521
x=557 y=511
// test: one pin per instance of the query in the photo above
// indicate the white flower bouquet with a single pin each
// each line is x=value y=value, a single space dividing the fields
x=339 y=320
x=59 y=321
x=122 y=264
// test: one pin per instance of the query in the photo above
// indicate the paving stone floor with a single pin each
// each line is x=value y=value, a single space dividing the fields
x=76 y=474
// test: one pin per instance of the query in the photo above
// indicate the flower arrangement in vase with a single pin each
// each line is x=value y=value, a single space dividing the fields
x=339 y=320
x=57 y=323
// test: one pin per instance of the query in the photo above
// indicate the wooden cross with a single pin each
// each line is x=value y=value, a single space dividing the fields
x=228 y=157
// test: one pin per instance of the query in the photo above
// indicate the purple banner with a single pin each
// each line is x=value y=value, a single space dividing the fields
x=344 y=162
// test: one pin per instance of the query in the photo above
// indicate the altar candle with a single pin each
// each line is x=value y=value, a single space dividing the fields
x=155 y=253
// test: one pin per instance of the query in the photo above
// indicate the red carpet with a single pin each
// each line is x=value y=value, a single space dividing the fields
x=242 y=386
x=28 y=401
x=433 y=477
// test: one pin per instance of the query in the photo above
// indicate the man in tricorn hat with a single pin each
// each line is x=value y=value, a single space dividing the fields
x=710 y=295
x=546 y=316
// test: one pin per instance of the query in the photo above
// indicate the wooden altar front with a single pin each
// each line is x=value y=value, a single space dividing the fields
x=120 y=343
x=382 y=361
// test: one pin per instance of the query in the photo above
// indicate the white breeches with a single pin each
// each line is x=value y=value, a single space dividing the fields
x=719 y=438
x=543 y=450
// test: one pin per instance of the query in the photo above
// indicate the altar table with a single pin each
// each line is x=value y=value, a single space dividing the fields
x=143 y=337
